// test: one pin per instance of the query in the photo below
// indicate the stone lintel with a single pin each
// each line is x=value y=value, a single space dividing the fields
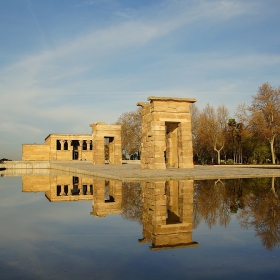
x=109 y=129
x=157 y=98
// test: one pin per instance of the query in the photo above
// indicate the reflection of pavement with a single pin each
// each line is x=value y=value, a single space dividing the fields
x=133 y=172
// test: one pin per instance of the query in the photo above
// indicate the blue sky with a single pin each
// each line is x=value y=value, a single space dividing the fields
x=65 y=64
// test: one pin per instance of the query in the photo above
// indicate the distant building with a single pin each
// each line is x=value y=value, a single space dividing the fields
x=60 y=147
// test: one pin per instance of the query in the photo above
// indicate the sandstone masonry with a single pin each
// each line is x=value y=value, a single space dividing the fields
x=166 y=133
x=111 y=133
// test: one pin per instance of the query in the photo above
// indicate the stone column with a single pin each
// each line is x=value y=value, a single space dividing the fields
x=88 y=145
x=62 y=190
x=185 y=149
x=80 y=148
x=62 y=145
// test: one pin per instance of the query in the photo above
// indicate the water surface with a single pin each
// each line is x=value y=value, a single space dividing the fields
x=167 y=230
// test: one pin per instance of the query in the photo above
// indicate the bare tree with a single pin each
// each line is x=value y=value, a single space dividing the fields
x=263 y=116
x=194 y=111
x=211 y=128
x=131 y=131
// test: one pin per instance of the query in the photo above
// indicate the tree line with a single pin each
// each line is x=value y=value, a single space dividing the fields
x=250 y=136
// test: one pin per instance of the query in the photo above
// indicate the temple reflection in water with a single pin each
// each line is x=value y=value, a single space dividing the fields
x=167 y=206
x=168 y=214
x=170 y=210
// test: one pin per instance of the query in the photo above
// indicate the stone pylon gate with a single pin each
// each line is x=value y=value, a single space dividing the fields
x=166 y=133
x=112 y=133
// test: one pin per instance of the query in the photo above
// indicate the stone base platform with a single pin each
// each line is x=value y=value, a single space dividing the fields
x=132 y=172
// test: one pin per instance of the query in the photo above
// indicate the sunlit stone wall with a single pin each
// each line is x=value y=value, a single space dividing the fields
x=60 y=147
x=35 y=152
x=166 y=133
x=100 y=131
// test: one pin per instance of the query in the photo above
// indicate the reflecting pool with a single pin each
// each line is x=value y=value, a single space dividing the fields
x=69 y=227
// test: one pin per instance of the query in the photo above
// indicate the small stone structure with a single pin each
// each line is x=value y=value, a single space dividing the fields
x=60 y=147
x=112 y=134
x=166 y=133
x=68 y=147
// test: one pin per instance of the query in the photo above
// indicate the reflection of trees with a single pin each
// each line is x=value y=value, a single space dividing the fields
x=262 y=211
x=206 y=201
x=132 y=202
x=214 y=201
x=255 y=200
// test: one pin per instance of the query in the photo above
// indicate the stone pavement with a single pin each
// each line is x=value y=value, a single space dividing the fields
x=133 y=172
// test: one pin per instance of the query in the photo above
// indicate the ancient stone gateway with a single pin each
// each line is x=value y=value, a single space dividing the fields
x=111 y=135
x=166 y=133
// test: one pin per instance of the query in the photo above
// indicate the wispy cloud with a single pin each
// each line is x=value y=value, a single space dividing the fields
x=147 y=51
x=88 y=52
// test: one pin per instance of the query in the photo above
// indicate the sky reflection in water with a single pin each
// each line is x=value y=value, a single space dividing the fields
x=65 y=240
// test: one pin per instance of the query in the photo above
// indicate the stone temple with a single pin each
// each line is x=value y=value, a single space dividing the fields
x=166 y=139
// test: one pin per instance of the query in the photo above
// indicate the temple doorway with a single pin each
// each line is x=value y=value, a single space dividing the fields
x=109 y=149
x=172 y=145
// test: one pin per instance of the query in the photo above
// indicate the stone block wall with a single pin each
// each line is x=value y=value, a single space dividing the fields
x=166 y=133
x=69 y=144
x=35 y=152
x=100 y=131
x=66 y=151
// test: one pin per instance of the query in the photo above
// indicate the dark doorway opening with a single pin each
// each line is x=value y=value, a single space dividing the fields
x=75 y=153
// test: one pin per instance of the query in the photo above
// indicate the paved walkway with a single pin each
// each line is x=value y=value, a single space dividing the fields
x=133 y=172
